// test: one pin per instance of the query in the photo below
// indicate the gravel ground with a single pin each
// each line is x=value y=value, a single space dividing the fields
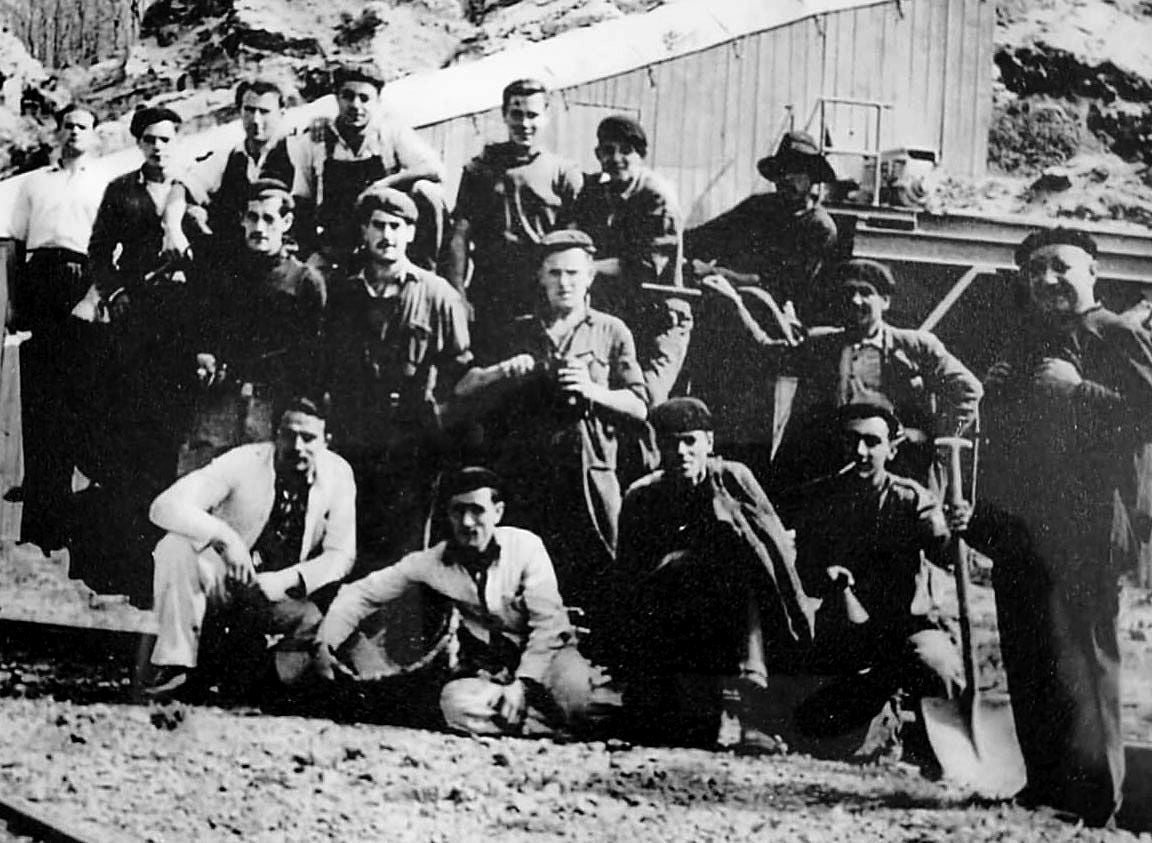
x=204 y=774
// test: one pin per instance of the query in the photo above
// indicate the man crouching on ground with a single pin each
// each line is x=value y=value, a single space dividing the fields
x=260 y=529
x=519 y=670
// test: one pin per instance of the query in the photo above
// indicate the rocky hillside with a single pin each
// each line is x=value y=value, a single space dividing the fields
x=192 y=52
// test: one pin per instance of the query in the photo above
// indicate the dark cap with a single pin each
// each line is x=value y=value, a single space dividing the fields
x=625 y=129
x=680 y=415
x=146 y=117
x=358 y=72
x=871 y=405
x=870 y=272
x=386 y=199
x=469 y=479
x=797 y=152
x=1054 y=237
x=564 y=239
x=263 y=188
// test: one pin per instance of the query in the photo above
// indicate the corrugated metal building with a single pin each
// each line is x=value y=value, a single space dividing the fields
x=716 y=82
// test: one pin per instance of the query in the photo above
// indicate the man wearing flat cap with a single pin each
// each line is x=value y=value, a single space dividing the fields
x=706 y=587
x=362 y=147
x=397 y=341
x=554 y=394
x=868 y=356
x=516 y=668
x=634 y=218
x=1069 y=411
x=778 y=242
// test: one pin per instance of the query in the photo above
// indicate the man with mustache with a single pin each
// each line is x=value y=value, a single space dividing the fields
x=397 y=341
x=260 y=328
x=511 y=195
x=1069 y=410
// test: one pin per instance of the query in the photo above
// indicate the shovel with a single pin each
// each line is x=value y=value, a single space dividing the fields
x=974 y=738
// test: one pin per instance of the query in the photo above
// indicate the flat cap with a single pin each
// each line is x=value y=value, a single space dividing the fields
x=563 y=239
x=263 y=187
x=146 y=117
x=1054 y=237
x=871 y=405
x=357 y=72
x=870 y=272
x=680 y=415
x=386 y=199
x=621 y=127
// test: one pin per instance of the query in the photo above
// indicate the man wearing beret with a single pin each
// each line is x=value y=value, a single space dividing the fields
x=706 y=585
x=397 y=341
x=554 y=392
x=860 y=549
x=364 y=147
x=1069 y=410
x=511 y=195
x=634 y=219
x=868 y=356
x=138 y=400
x=260 y=323
x=516 y=668
x=781 y=241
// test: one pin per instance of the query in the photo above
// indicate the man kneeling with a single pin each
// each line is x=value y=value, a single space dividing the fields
x=518 y=669
x=259 y=529
x=860 y=548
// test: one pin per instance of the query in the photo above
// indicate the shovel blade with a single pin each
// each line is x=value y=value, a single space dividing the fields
x=976 y=749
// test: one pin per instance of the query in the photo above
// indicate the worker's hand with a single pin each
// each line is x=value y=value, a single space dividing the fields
x=1055 y=377
x=214 y=581
x=237 y=560
x=721 y=286
x=209 y=371
x=175 y=244
x=998 y=375
x=575 y=378
x=513 y=704
x=517 y=367
x=702 y=268
x=275 y=584
x=958 y=515
x=840 y=577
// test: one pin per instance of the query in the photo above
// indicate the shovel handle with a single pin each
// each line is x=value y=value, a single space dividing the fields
x=955 y=496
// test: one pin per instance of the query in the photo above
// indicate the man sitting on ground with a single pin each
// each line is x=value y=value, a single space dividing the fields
x=518 y=670
x=858 y=549
x=260 y=529
x=707 y=582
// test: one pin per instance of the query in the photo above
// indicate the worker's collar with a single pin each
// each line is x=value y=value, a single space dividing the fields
x=877 y=339
x=469 y=558
x=400 y=279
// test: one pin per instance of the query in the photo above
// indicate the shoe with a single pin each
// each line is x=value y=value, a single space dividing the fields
x=168 y=682
x=754 y=742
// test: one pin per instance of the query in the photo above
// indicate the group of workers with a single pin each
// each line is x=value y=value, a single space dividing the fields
x=306 y=390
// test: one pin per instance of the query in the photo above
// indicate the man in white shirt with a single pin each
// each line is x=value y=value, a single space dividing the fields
x=519 y=670
x=51 y=224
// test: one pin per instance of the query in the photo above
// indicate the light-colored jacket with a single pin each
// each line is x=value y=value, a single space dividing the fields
x=238 y=488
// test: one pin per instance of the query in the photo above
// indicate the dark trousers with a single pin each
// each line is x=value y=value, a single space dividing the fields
x=1057 y=607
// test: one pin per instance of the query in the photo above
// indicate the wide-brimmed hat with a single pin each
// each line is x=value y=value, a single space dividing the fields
x=797 y=151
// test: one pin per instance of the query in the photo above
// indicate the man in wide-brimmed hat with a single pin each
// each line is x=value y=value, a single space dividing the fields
x=778 y=241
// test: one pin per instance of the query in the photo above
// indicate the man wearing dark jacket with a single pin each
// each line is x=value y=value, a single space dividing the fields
x=705 y=581
x=511 y=195
x=1069 y=410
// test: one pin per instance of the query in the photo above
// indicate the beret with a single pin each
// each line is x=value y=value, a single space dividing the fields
x=1054 y=237
x=386 y=199
x=469 y=479
x=870 y=272
x=621 y=127
x=146 y=117
x=680 y=415
x=563 y=239
x=361 y=72
x=870 y=406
